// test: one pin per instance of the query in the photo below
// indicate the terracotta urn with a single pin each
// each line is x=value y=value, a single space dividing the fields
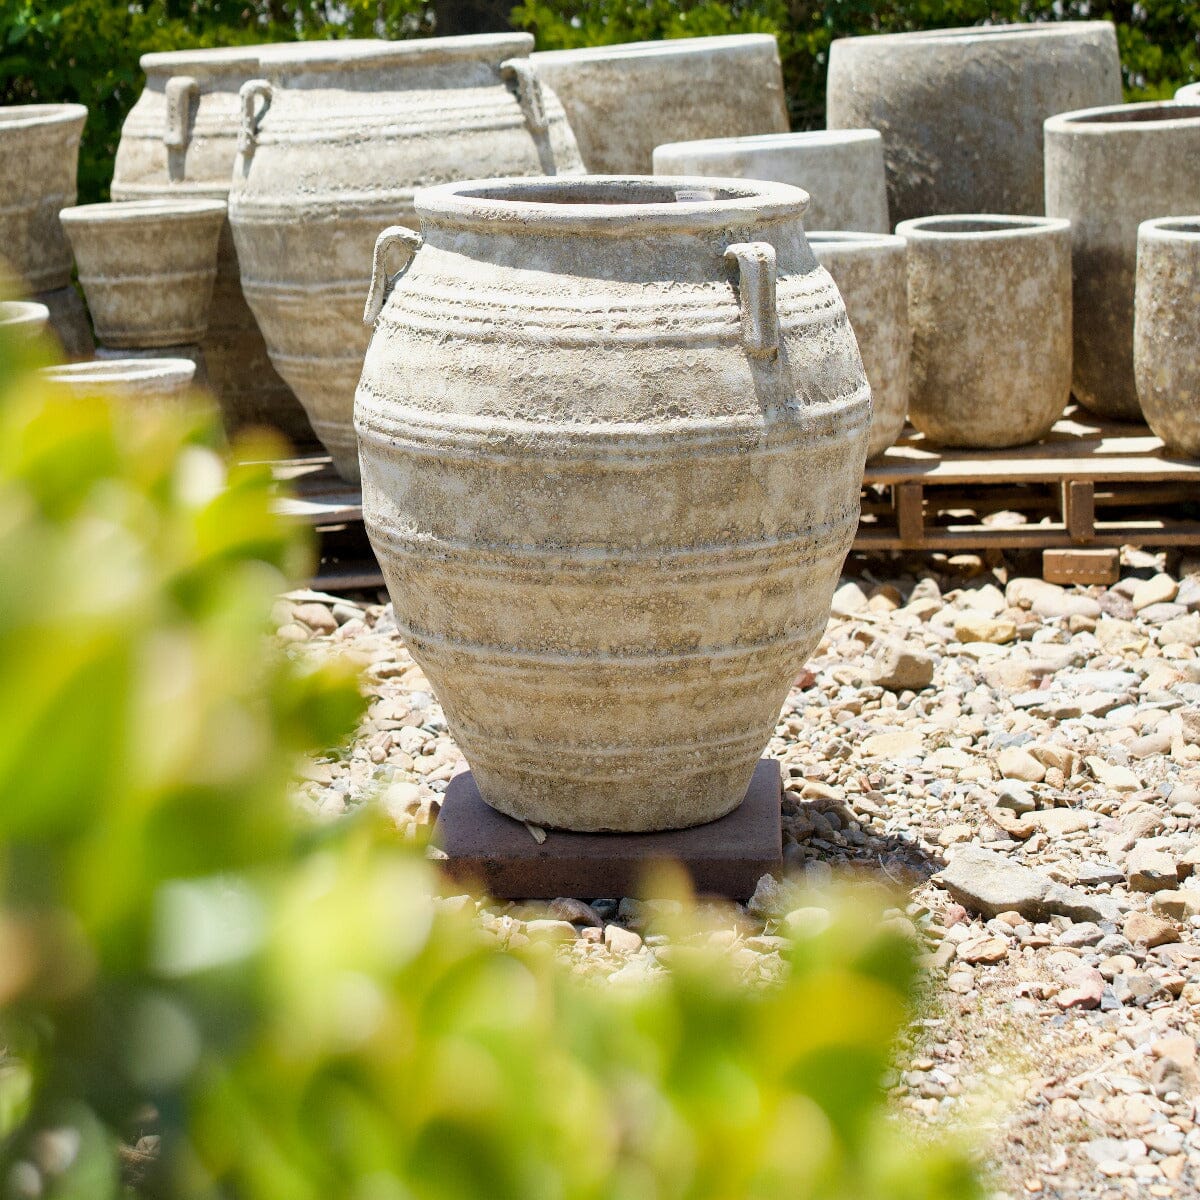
x=336 y=137
x=144 y=382
x=625 y=99
x=1166 y=331
x=989 y=303
x=179 y=142
x=147 y=268
x=612 y=435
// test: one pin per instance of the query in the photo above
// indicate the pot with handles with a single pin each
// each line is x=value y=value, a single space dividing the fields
x=336 y=137
x=612 y=434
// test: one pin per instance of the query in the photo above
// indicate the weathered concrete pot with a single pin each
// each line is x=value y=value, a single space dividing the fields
x=1166 y=330
x=624 y=100
x=180 y=140
x=612 y=446
x=69 y=322
x=989 y=303
x=1189 y=93
x=147 y=268
x=871 y=273
x=961 y=110
x=24 y=319
x=335 y=140
x=841 y=170
x=1108 y=170
x=39 y=161
x=149 y=382
x=193 y=353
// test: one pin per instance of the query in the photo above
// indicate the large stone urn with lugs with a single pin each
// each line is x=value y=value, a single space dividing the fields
x=337 y=136
x=612 y=443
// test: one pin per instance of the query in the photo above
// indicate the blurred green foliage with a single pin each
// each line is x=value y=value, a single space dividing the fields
x=289 y=1010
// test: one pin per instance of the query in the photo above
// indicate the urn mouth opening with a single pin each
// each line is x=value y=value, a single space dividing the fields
x=658 y=49
x=29 y=116
x=980 y=226
x=1175 y=227
x=1153 y=112
x=775 y=141
x=612 y=205
x=115 y=371
x=137 y=211
x=356 y=54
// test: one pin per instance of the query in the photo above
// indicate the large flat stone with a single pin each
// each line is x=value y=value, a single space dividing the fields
x=500 y=856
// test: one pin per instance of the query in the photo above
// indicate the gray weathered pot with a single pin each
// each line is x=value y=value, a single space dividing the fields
x=989 y=302
x=870 y=272
x=961 y=110
x=150 y=382
x=1166 y=330
x=612 y=445
x=841 y=170
x=624 y=100
x=336 y=138
x=25 y=319
x=147 y=268
x=1108 y=170
x=1189 y=93
x=69 y=321
x=39 y=160
x=180 y=140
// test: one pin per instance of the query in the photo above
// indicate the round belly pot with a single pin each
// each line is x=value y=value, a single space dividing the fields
x=145 y=382
x=612 y=444
x=24 y=319
x=179 y=142
x=870 y=272
x=147 y=268
x=624 y=100
x=961 y=110
x=1166 y=331
x=1108 y=170
x=989 y=303
x=841 y=170
x=336 y=138
x=39 y=160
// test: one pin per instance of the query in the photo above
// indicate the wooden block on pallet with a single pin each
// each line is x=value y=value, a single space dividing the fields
x=1081 y=566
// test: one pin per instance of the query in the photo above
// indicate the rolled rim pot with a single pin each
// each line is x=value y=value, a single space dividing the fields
x=141 y=380
x=1166 y=339
x=612 y=432
x=335 y=139
x=1189 y=93
x=1108 y=170
x=842 y=170
x=961 y=110
x=989 y=303
x=147 y=268
x=24 y=318
x=39 y=163
x=870 y=272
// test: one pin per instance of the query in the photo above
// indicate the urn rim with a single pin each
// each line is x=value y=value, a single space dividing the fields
x=1170 y=229
x=202 y=60
x=15 y=313
x=109 y=371
x=851 y=240
x=30 y=116
x=970 y=34
x=1113 y=118
x=972 y=227
x=659 y=48
x=800 y=138
x=351 y=54
x=146 y=211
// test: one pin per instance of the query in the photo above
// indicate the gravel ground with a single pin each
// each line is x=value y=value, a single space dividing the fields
x=1024 y=762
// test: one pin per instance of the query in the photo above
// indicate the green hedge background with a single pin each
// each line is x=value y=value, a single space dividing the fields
x=88 y=50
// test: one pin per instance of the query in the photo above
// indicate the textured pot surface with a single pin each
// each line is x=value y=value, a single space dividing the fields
x=350 y=129
x=624 y=100
x=24 y=318
x=611 y=471
x=1166 y=331
x=39 y=161
x=841 y=170
x=870 y=272
x=1108 y=170
x=69 y=321
x=143 y=381
x=961 y=110
x=180 y=140
x=147 y=268
x=989 y=303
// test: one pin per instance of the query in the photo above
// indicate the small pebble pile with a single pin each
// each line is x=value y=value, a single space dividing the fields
x=1020 y=763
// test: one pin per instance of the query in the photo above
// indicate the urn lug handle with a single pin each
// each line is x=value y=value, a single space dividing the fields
x=181 y=93
x=381 y=282
x=529 y=92
x=252 y=90
x=757 y=274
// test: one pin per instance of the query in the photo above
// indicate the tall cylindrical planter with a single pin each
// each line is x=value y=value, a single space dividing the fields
x=147 y=268
x=989 y=302
x=179 y=142
x=841 y=170
x=961 y=110
x=870 y=272
x=336 y=137
x=1108 y=170
x=612 y=443
x=1166 y=330
x=624 y=100
x=39 y=162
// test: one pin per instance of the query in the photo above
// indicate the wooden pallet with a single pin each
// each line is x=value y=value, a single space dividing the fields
x=1090 y=483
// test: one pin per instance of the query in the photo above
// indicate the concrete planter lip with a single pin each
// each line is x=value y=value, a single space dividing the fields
x=201 y=61
x=613 y=205
x=31 y=116
x=850 y=241
x=1189 y=93
x=1132 y=118
x=772 y=141
x=973 y=33
x=660 y=48
x=23 y=316
x=135 y=211
x=353 y=54
x=136 y=373
x=978 y=227
x=1182 y=229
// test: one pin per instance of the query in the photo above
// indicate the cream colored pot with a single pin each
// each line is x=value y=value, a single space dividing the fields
x=149 y=382
x=178 y=142
x=624 y=100
x=336 y=137
x=612 y=444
